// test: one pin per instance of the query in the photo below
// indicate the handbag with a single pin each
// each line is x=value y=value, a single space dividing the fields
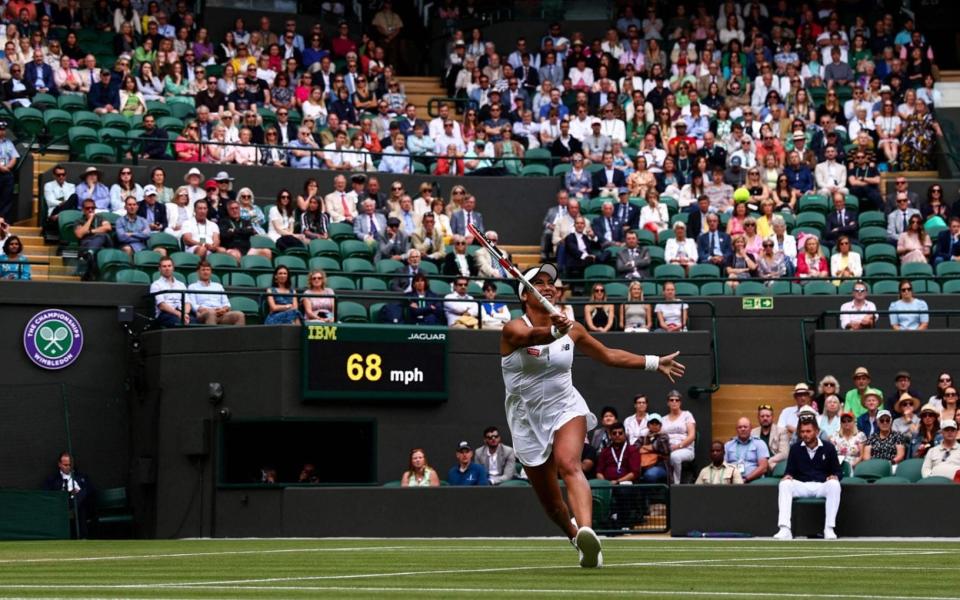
x=648 y=456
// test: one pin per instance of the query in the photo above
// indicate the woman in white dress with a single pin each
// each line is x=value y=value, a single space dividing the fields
x=548 y=417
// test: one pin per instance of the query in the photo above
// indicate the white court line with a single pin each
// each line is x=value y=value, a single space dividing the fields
x=196 y=554
x=620 y=545
x=241 y=583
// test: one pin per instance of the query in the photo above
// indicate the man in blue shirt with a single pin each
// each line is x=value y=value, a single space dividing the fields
x=467 y=472
x=900 y=319
x=749 y=455
x=396 y=158
x=132 y=230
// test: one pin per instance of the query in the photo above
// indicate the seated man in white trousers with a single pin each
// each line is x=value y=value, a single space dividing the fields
x=813 y=471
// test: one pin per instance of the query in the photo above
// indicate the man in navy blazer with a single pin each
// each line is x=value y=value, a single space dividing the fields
x=948 y=243
x=626 y=214
x=813 y=471
x=40 y=74
x=840 y=221
x=459 y=219
x=608 y=181
x=608 y=230
x=714 y=246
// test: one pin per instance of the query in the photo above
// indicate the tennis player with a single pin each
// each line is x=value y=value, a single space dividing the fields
x=548 y=417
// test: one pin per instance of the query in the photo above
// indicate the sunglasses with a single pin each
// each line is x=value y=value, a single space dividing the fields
x=906 y=289
x=859 y=291
x=316 y=278
x=492 y=436
x=950 y=394
x=945 y=379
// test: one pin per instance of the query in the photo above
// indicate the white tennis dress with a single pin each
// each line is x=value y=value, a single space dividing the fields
x=540 y=397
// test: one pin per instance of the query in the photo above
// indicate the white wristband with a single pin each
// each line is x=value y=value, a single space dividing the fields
x=556 y=333
x=651 y=362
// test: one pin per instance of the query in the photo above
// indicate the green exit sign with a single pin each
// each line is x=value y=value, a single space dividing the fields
x=758 y=303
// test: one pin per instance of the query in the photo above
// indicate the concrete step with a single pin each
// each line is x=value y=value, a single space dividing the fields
x=734 y=401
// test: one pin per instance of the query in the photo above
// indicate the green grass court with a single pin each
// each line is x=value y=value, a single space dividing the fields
x=470 y=568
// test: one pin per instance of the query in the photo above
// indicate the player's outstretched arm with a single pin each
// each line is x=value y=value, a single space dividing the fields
x=613 y=357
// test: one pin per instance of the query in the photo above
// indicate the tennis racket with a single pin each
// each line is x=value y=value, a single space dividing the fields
x=511 y=270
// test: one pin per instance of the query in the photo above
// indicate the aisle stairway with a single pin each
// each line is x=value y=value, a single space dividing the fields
x=524 y=256
x=734 y=401
x=419 y=90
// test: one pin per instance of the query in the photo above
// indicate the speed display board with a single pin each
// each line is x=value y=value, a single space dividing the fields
x=374 y=362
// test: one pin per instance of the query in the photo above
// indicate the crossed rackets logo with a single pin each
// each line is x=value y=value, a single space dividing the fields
x=53 y=335
x=53 y=339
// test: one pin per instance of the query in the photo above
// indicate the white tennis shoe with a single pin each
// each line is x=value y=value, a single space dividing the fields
x=784 y=534
x=588 y=544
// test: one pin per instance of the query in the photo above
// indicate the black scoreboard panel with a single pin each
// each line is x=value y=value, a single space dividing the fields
x=374 y=362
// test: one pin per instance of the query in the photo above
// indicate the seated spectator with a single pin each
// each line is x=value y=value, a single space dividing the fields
x=577 y=181
x=633 y=260
x=581 y=247
x=283 y=307
x=741 y=264
x=770 y=264
x=619 y=462
x=459 y=262
x=392 y=243
x=829 y=421
x=635 y=317
x=714 y=246
x=870 y=404
x=93 y=231
x=864 y=182
x=103 y=96
x=746 y=454
x=318 y=300
x=681 y=428
x=423 y=306
x=55 y=192
x=898 y=220
x=775 y=437
x=830 y=175
x=913 y=244
x=598 y=316
x=419 y=473
x=810 y=262
x=200 y=235
x=671 y=315
x=920 y=133
x=459 y=306
x=845 y=263
x=942 y=460
x=467 y=472
x=636 y=424
x=496 y=457
x=654 y=216
x=305 y=152
x=654 y=450
x=789 y=416
x=885 y=443
x=209 y=300
x=493 y=314
x=840 y=221
x=950 y=404
x=172 y=308
x=853 y=401
x=908 y=313
x=718 y=471
x=155 y=141
x=13 y=264
x=848 y=440
x=858 y=313
x=132 y=230
x=813 y=470
x=928 y=434
x=948 y=242
x=396 y=158
x=600 y=436
x=487 y=265
x=235 y=234
x=680 y=250
x=609 y=231
x=908 y=423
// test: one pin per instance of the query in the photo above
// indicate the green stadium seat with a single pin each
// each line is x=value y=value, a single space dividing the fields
x=293 y=263
x=358 y=265
x=263 y=242
x=780 y=470
x=80 y=137
x=846 y=287
x=147 y=260
x=535 y=171
x=948 y=269
x=86 y=118
x=819 y=288
x=881 y=253
x=872 y=235
x=505 y=289
x=812 y=219
x=339 y=232
x=373 y=284
x=264 y=280
x=101 y=153
x=439 y=287
x=71 y=102
x=43 y=101
x=925 y=286
x=324 y=263
x=158 y=109
x=685 y=288
x=327 y=248
x=132 y=276
x=704 y=270
x=951 y=287
x=182 y=110
x=852 y=480
x=256 y=263
x=221 y=262
x=813 y=202
x=752 y=288
x=115 y=120
x=910 y=469
x=355 y=249
x=429 y=268
x=616 y=290
x=814 y=231
x=170 y=124
x=537 y=156
x=109 y=261
x=163 y=240
x=599 y=272
x=880 y=269
x=892 y=480
x=915 y=270
x=713 y=288
x=562 y=169
x=645 y=237
x=785 y=288
x=374 y=312
x=885 y=286
x=185 y=262
x=28 y=121
x=873 y=469
x=339 y=282
x=765 y=481
x=388 y=266
x=475 y=289
x=935 y=480
x=248 y=306
x=871 y=218
x=651 y=288
x=669 y=272
x=239 y=279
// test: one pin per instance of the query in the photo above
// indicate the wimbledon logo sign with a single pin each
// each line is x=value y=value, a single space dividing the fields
x=53 y=339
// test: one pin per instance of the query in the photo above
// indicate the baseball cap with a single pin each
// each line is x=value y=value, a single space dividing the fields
x=150 y=190
x=948 y=424
x=884 y=413
x=393 y=222
x=464 y=445
x=901 y=374
x=210 y=184
x=861 y=371
x=622 y=191
x=735 y=161
x=654 y=417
